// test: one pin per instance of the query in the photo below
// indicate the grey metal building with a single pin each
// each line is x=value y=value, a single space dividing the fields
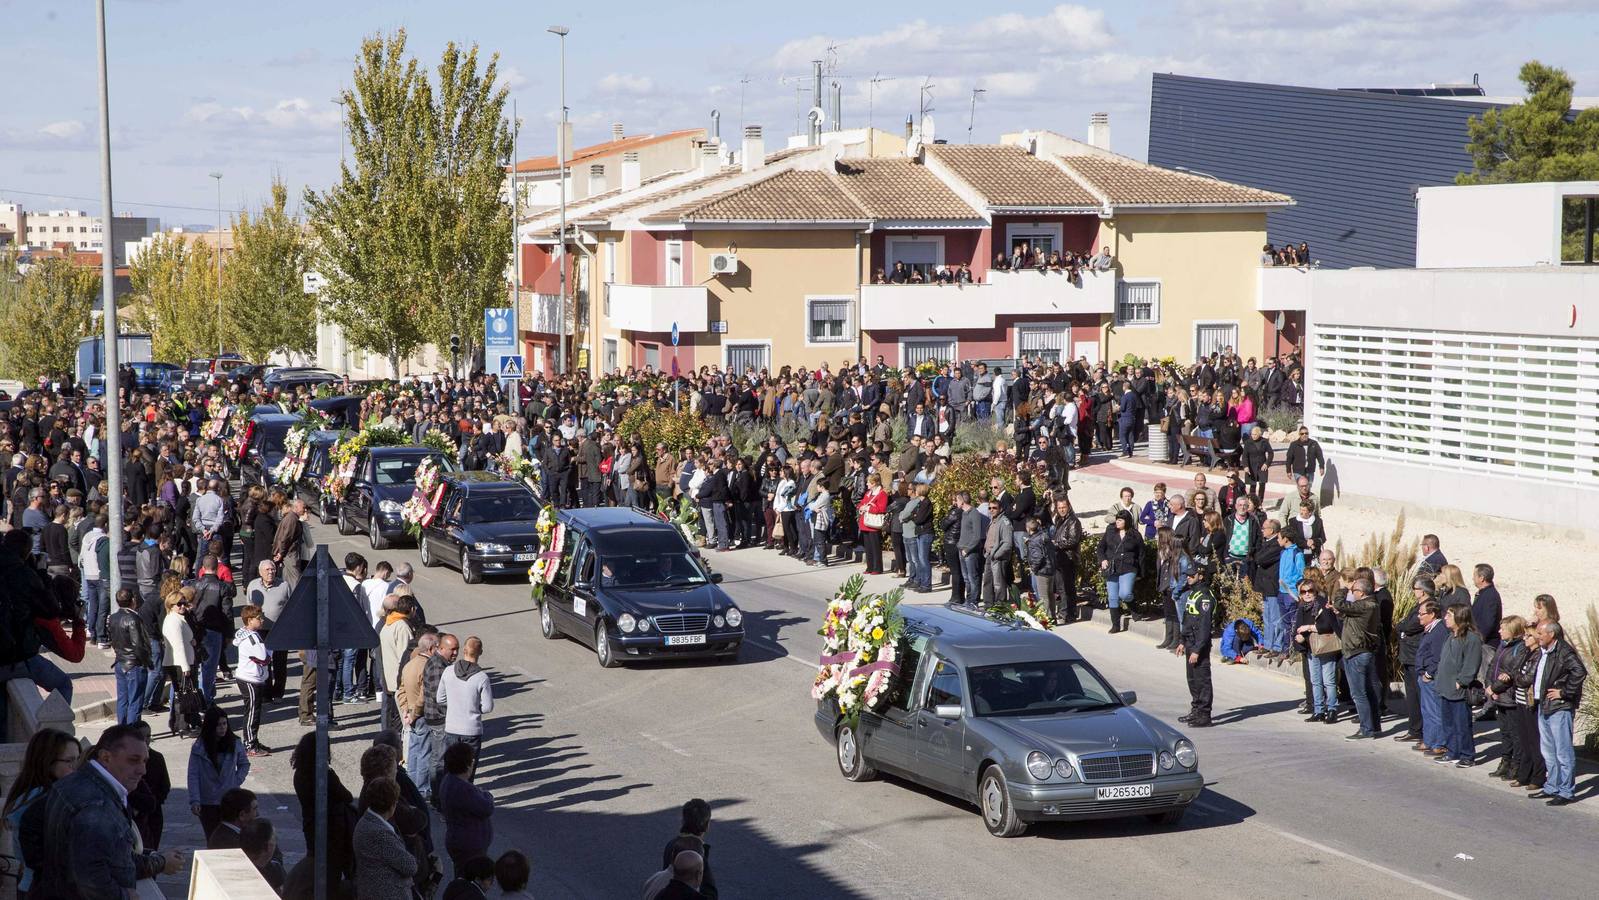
x=1352 y=159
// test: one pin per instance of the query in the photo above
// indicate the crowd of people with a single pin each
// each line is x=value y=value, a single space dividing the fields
x=1286 y=255
x=844 y=470
x=1022 y=257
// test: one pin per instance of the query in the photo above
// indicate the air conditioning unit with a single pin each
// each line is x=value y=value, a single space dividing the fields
x=724 y=263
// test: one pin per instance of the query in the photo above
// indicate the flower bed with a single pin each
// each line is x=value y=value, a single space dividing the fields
x=860 y=648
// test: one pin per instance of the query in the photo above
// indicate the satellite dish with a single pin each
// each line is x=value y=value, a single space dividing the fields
x=816 y=116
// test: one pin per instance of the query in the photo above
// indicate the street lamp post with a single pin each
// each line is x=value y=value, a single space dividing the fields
x=218 y=177
x=108 y=301
x=561 y=31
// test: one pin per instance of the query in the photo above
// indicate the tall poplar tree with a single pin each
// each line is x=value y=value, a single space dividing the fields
x=264 y=283
x=174 y=297
x=45 y=312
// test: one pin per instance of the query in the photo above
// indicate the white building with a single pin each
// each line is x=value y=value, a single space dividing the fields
x=1471 y=382
x=83 y=231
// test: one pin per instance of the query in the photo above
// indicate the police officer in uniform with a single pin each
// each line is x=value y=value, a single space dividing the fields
x=1199 y=604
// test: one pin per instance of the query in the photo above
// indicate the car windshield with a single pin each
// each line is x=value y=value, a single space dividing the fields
x=499 y=506
x=650 y=570
x=1039 y=688
x=199 y=365
x=402 y=469
x=272 y=438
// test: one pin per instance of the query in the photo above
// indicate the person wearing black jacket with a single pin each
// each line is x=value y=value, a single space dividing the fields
x=1556 y=687
x=1120 y=552
x=1199 y=605
x=714 y=495
x=1410 y=632
x=1257 y=459
x=950 y=529
x=1263 y=577
x=132 y=661
x=1304 y=457
x=213 y=610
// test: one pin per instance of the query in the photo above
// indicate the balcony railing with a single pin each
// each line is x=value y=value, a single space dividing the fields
x=656 y=308
x=1282 y=288
x=929 y=306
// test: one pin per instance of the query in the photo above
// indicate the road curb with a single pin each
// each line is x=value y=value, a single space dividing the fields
x=94 y=711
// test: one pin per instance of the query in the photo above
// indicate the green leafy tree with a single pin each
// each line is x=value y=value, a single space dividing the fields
x=45 y=312
x=412 y=240
x=174 y=297
x=264 y=283
x=1538 y=140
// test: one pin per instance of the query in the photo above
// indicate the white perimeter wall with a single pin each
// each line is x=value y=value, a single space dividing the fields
x=1492 y=225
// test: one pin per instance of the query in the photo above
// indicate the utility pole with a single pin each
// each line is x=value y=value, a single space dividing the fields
x=218 y=177
x=973 y=118
x=561 y=31
x=108 y=301
x=516 y=250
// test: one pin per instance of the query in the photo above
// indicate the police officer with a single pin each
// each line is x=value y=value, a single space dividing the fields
x=1199 y=604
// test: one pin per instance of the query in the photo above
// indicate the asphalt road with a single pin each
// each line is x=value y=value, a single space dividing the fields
x=588 y=767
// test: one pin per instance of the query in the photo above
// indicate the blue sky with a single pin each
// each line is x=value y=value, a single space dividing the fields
x=246 y=89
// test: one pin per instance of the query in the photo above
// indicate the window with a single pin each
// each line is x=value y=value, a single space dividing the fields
x=1046 y=342
x=747 y=356
x=911 y=673
x=938 y=350
x=1214 y=337
x=674 y=263
x=610 y=363
x=922 y=254
x=830 y=320
x=1138 y=303
x=945 y=689
x=652 y=356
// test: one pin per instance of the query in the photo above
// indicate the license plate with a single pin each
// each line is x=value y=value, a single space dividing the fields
x=678 y=640
x=525 y=557
x=1123 y=792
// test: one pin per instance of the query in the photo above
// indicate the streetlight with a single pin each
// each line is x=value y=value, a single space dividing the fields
x=560 y=31
x=108 y=303
x=218 y=177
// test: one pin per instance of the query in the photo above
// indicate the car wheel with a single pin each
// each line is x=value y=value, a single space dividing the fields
x=602 y=647
x=993 y=798
x=547 y=626
x=375 y=536
x=852 y=763
x=1169 y=817
x=422 y=550
x=323 y=515
x=344 y=522
x=467 y=574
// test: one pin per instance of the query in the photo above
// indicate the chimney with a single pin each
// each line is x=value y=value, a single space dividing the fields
x=710 y=159
x=630 y=173
x=616 y=132
x=910 y=126
x=1099 y=130
x=816 y=101
x=838 y=107
x=754 y=152
x=716 y=126
x=597 y=183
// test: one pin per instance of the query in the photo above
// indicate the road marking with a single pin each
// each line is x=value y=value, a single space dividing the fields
x=670 y=746
x=1331 y=851
x=839 y=830
x=783 y=650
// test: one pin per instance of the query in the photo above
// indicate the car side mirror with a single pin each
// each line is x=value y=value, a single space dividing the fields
x=947 y=711
x=1130 y=697
x=716 y=578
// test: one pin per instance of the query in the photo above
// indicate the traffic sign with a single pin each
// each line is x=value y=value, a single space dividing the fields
x=674 y=334
x=500 y=339
x=348 y=627
x=510 y=367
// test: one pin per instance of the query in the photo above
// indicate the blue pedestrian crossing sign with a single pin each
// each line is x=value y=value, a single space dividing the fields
x=510 y=367
x=674 y=334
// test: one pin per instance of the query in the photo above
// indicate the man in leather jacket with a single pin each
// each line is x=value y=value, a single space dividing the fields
x=1066 y=536
x=130 y=645
x=1557 y=680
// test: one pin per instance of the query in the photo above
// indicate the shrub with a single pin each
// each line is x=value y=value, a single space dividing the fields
x=1236 y=598
x=679 y=431
x=1585 y=639
x=972 y=436
x=1091 y=582
x=1282 y=418
x=969 y=472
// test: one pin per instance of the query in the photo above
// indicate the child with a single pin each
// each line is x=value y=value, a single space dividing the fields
x=251 y=675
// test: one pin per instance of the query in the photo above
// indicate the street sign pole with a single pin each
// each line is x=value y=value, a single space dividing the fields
x=322 y=563
x=675 y=339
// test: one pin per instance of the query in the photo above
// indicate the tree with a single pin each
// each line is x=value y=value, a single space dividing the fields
x=264 y=283
x=174 y=297
x=45 y=312
x=412 y=240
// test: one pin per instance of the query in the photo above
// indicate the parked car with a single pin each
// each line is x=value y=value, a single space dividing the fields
x=318 y=456
x=288 y=377
x=1016 y=722
x=384 y=478
x=202 y=372
x=484 y=526
x=263 y=447
x=629 y=586
x=345 y=412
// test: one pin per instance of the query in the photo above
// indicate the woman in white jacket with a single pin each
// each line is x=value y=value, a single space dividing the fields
x=177 y=639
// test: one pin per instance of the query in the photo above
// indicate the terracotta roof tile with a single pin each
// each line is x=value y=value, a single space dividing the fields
x=900 y=188
x=581 y=154
x=1010 y=176
x=792 y=196
x=1127 y=182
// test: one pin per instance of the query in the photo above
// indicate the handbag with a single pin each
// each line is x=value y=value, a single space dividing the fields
x=874 y=520
x=1476 y=694
x=1325 y=644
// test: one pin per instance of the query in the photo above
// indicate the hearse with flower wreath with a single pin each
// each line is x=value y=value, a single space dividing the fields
x=628 y=585
x=1006 y=717
x=380 y=481
x=479 y=522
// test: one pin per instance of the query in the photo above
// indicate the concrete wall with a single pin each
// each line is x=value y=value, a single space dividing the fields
x=1207 y=267
x=1491 y=225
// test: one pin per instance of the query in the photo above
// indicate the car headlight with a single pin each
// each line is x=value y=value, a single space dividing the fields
x=1186 y=757
x=720 y=622
x=490 y=547
x=734 y=617
x=1039 y=766
x=643 y=624
x=1063 y=768
x=1166 y=761
x=626 y=623
x=389 y=507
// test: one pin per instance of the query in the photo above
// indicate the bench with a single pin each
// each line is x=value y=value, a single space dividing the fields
x=1201 y=448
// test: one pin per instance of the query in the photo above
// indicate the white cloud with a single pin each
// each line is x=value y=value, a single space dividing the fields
x=67 y=130
x=295 y=114
x=623 y=83
x=67 y=134
x=512 y=77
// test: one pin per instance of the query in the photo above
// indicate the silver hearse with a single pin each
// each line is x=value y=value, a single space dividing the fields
x=1016 y=722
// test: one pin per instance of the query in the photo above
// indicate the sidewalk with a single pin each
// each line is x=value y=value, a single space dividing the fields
x=94 y=688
